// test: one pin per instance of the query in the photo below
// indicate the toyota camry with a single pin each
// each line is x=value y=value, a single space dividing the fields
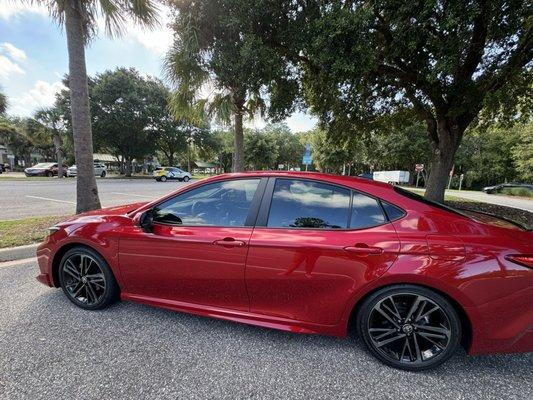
x=309 y=253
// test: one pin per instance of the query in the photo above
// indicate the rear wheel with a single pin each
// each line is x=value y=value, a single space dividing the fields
x=87 y=280
x=185 y=179
x=409 y=327
x=49 y=174
x=103 y=174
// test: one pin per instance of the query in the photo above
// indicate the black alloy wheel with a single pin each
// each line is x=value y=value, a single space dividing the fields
x=87 y=279
x=409 y=327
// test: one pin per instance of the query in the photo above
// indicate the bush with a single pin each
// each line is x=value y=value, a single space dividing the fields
x=524 y=192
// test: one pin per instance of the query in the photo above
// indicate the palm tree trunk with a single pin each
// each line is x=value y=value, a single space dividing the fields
x=59 y=155
x=87 y=191
x=238 y=160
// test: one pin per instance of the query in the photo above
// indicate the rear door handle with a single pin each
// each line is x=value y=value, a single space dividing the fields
x=229 y=242
x=362 y=248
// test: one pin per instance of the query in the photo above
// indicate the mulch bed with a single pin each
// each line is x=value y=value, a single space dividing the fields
x=523 y=217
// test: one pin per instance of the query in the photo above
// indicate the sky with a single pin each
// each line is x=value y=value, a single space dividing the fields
x=33 y=57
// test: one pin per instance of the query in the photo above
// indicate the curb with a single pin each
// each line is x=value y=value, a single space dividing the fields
x=18 y=253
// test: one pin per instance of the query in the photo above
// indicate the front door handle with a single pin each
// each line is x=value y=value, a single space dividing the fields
x=229 y=242
x=362 y=248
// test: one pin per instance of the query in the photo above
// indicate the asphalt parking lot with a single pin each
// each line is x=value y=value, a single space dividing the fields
x=41 y=196
x=51 y=349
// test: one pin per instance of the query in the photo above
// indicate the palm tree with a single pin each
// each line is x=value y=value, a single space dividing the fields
x=80 y=20
x=3 y=103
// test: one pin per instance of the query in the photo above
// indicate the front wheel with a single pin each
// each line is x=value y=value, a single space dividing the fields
x=87 y=279
x=409 y=327
x=103 y=174
x=163 y=178
x=186 y=179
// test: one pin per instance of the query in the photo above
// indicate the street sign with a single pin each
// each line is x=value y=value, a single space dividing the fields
x=306 y=159
x=419 y=167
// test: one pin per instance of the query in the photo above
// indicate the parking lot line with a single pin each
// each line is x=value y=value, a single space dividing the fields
x=49 y=199
x=17 y=262
x=132 y=194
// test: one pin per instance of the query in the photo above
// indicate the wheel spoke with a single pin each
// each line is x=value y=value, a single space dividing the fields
x=387 y=316
x=387 y=341
x=428 y=336
x=92 y=293
x=418 y=318
x=387 y=333
x=70 y=269
x=435 y=329
x=418 y=353
x=78 y=291
x=414 y=307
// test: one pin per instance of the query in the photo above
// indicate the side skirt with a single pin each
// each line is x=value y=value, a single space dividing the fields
x=261 y=320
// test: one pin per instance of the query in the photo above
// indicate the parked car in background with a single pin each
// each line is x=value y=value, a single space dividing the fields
x=512 y=186
x=2 y=168
x=392 y=177
x=45 y=169
x=162 y=174
x=309 y=253
x=99 y=170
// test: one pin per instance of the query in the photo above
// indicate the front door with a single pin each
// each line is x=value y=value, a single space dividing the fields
x=197 y=250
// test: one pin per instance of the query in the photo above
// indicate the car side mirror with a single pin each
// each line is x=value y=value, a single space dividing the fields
x=146 y=221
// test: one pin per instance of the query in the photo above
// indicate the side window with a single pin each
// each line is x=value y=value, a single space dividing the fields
x=366 y=212
x=224 y=203
x=307 y=204
x=393 y=212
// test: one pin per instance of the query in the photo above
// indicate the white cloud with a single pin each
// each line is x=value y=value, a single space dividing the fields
x=8 y=67
x=10 y=9
x=14 y=52
x=42 y=94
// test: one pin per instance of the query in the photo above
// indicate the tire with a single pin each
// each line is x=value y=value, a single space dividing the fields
x=163 y=178
x=424 y=350
x=186 y=179
x=103 y=174
x=49 y=174
x=95 y=293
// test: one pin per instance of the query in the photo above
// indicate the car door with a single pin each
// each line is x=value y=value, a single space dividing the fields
x=313 y=246
x=197 y=250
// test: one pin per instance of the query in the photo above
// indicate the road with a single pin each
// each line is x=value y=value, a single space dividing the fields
x=51 y=349
x=40 y=197
x=509 y=201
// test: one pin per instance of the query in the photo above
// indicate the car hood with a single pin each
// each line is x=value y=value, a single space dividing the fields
x=103 y=214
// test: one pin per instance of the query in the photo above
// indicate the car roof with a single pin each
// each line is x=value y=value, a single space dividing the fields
x=345 y=180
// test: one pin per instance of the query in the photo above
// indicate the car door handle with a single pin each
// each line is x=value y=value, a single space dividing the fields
x=362 y=248
x=229 y=242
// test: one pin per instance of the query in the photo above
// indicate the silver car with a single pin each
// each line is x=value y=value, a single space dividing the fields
x=99 y=170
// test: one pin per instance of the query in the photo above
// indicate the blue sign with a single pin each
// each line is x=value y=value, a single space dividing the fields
x=307 y=155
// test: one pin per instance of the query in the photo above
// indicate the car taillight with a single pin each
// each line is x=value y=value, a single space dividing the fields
x=522 y=259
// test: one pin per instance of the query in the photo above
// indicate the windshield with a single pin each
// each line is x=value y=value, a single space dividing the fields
x=43 y=165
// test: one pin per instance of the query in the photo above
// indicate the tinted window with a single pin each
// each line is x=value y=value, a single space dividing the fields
x=392 y=211
x=306 y=204
x=366 y=212
x=219 y=204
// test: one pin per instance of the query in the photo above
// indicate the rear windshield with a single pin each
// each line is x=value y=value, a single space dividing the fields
x=421 y=199
x=471 y=214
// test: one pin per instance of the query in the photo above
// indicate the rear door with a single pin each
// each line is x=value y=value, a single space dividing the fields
x=313 y=246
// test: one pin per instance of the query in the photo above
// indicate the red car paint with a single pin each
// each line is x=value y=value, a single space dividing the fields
x=310 y=280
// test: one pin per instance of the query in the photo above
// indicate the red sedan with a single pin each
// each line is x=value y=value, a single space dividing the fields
x=309 y=253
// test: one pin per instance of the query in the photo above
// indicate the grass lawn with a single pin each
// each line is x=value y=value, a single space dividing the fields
x=25 y=231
